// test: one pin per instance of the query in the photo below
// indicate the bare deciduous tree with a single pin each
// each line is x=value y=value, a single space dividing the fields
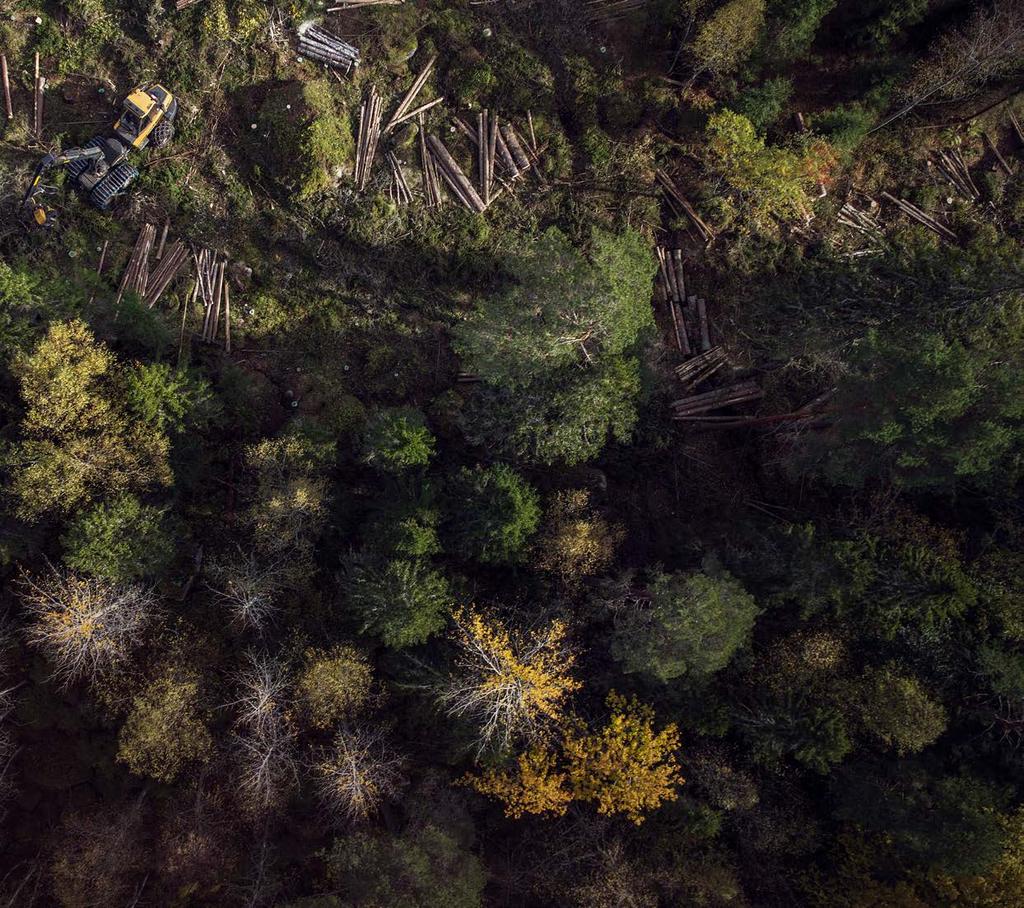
x=85 y=625
x=357 y=773
x=264 y=737
x=248 y=589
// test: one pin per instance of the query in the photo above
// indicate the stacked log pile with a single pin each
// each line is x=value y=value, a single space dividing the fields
x=681 y=205
x=695 y=407
x=317 y=44
x=214 y=291
x=138 y=279
x=691 y=328
x=672 y=283
x=136 y=272
x=501 y=156
x=165 y=272
x=859 y=220
x=370 y=113
x=700 y=368
x=454 y=176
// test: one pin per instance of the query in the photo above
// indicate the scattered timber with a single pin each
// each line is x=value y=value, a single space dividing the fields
x=136 y=272
x=400 y=192
x=696 y=405
x=6 y=79
x=37 y=103
x=410 y=96
x=1017 y=129
x=320 y=45
x=608 y=10
x=861 y=221
x=183 y=4
x=999 y=157
x=702 y=321
x=922 y=217
x=359 y=4
x=431 y=180
x=952 y=166
x=163 y=240
x=454 y=176
x=99 y=268
x=165 y=272
x=370 y=113
x=682 y=205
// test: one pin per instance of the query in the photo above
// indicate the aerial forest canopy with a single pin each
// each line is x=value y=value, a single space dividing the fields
x=484 y=453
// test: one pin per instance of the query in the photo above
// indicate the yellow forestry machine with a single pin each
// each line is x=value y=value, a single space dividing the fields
x=100 y=167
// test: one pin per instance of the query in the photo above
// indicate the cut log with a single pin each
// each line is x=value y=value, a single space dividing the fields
x=922 y=217
x=410 y=95
x=5 y=77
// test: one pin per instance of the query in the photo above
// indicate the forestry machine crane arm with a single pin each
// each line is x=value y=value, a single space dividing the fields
x=31 y=204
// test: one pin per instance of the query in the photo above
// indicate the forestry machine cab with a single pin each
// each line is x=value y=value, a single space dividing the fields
x=100 y=167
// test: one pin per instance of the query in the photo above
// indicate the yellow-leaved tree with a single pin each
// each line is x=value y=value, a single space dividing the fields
x=626 y=767
x=512 y=685
x=536 y=785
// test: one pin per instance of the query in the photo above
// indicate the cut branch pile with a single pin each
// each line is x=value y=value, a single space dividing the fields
x=698 y=370
x=694 y=407
x=136 y=273
x=404 y=111
x=213 y=289
x=952 y=166
x=317 y=44
x=370 y=113
x=922 y=217
x=682 y=206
